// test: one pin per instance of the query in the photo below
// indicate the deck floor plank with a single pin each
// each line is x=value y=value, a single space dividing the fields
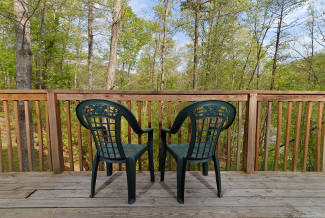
x=262 y=194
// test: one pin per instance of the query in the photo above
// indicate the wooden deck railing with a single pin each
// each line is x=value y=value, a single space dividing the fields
x=273 y=130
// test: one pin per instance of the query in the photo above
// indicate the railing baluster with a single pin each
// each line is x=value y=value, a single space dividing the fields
x=139 y=137
x=306 y=142
x=18 y=136
x=119 y=165
x=28 y=136
x=240 y=114
x=79 y=143
x=48 y=137
x=159 y=122
x=267 y=135
x=9 y=142
x=149 y=117
x=169 y=135
x=295 y=148
x=129 y=126
x=287 y=139
x=1 y=159
x=228 y=164
x=39 y=134
x=71 y=161
x=179 y=134
x=58 y=114
x=245 y=140
x=319 y=134
x=189 y=132
x=258 y=134
x=323 y=155
x=278 y=136
x=149 y=113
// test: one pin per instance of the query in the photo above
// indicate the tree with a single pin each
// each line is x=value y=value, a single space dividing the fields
x=196 y=7
x=281 y=8
x=40 y=82
x=163 y=46
x=196 y=43
x=90 y=43
x=260 y=21
x=113 y=47
x=23 y=68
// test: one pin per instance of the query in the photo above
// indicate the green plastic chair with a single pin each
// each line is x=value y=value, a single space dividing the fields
x=103 y=119
x=208 y=119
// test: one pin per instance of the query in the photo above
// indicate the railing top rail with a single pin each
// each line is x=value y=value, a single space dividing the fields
x=182 y=92
x=23 y=91
x=178 y=92
x=150 y=92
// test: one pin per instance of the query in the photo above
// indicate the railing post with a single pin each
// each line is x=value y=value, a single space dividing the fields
x=55 y=132
x=251 y=132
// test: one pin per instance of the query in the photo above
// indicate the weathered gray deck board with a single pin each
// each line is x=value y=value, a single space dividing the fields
x=262 y=194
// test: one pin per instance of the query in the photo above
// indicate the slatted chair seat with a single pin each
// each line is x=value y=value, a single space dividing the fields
x=130 y=150
x=181 y=150
x=103 y=119
x=208 y=119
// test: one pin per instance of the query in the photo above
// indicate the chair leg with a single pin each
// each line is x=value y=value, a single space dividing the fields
x=162 y=163
x=181 y=169
x=93 y=177
x=205 y=170
x=131 y=177
x=151 y=164
x=218 y=176
x=109 y=169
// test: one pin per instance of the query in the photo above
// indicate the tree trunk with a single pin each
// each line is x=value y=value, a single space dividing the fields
x=40 y=79
x=90 y=44
x=311 y=58
x=23 y=65
x=77 y=70
x=196 y=37
x=209 y=51
x=113 y=47
x=277 y=43
x=217 y=61
x=154 y=63
x=163 y=48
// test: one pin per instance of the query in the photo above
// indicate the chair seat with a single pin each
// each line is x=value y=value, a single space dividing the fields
x=130 y=150
x=180 y=150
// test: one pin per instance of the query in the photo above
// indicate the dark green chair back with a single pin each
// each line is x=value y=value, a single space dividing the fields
x=208 y=119
x=103 y=119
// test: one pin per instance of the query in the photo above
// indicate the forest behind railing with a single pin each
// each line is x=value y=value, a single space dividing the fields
x=273 y=130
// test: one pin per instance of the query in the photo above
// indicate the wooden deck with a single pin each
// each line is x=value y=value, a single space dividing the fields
x=262 y=194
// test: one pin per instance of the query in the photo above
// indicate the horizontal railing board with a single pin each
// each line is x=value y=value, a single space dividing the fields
x=23 y=96
x=291 y=97
x=128 y=97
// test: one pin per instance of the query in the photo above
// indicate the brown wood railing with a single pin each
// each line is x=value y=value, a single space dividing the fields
x=274 y=130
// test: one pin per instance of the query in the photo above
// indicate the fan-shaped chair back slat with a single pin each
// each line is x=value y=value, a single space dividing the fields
x=103 y=119
x=208 y=119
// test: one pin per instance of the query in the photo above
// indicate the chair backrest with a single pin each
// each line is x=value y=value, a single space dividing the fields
x=208 y=119
x=103 y=119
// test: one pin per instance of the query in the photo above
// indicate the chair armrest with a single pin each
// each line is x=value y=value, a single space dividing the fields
x=165 y=130
x=147 y=130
